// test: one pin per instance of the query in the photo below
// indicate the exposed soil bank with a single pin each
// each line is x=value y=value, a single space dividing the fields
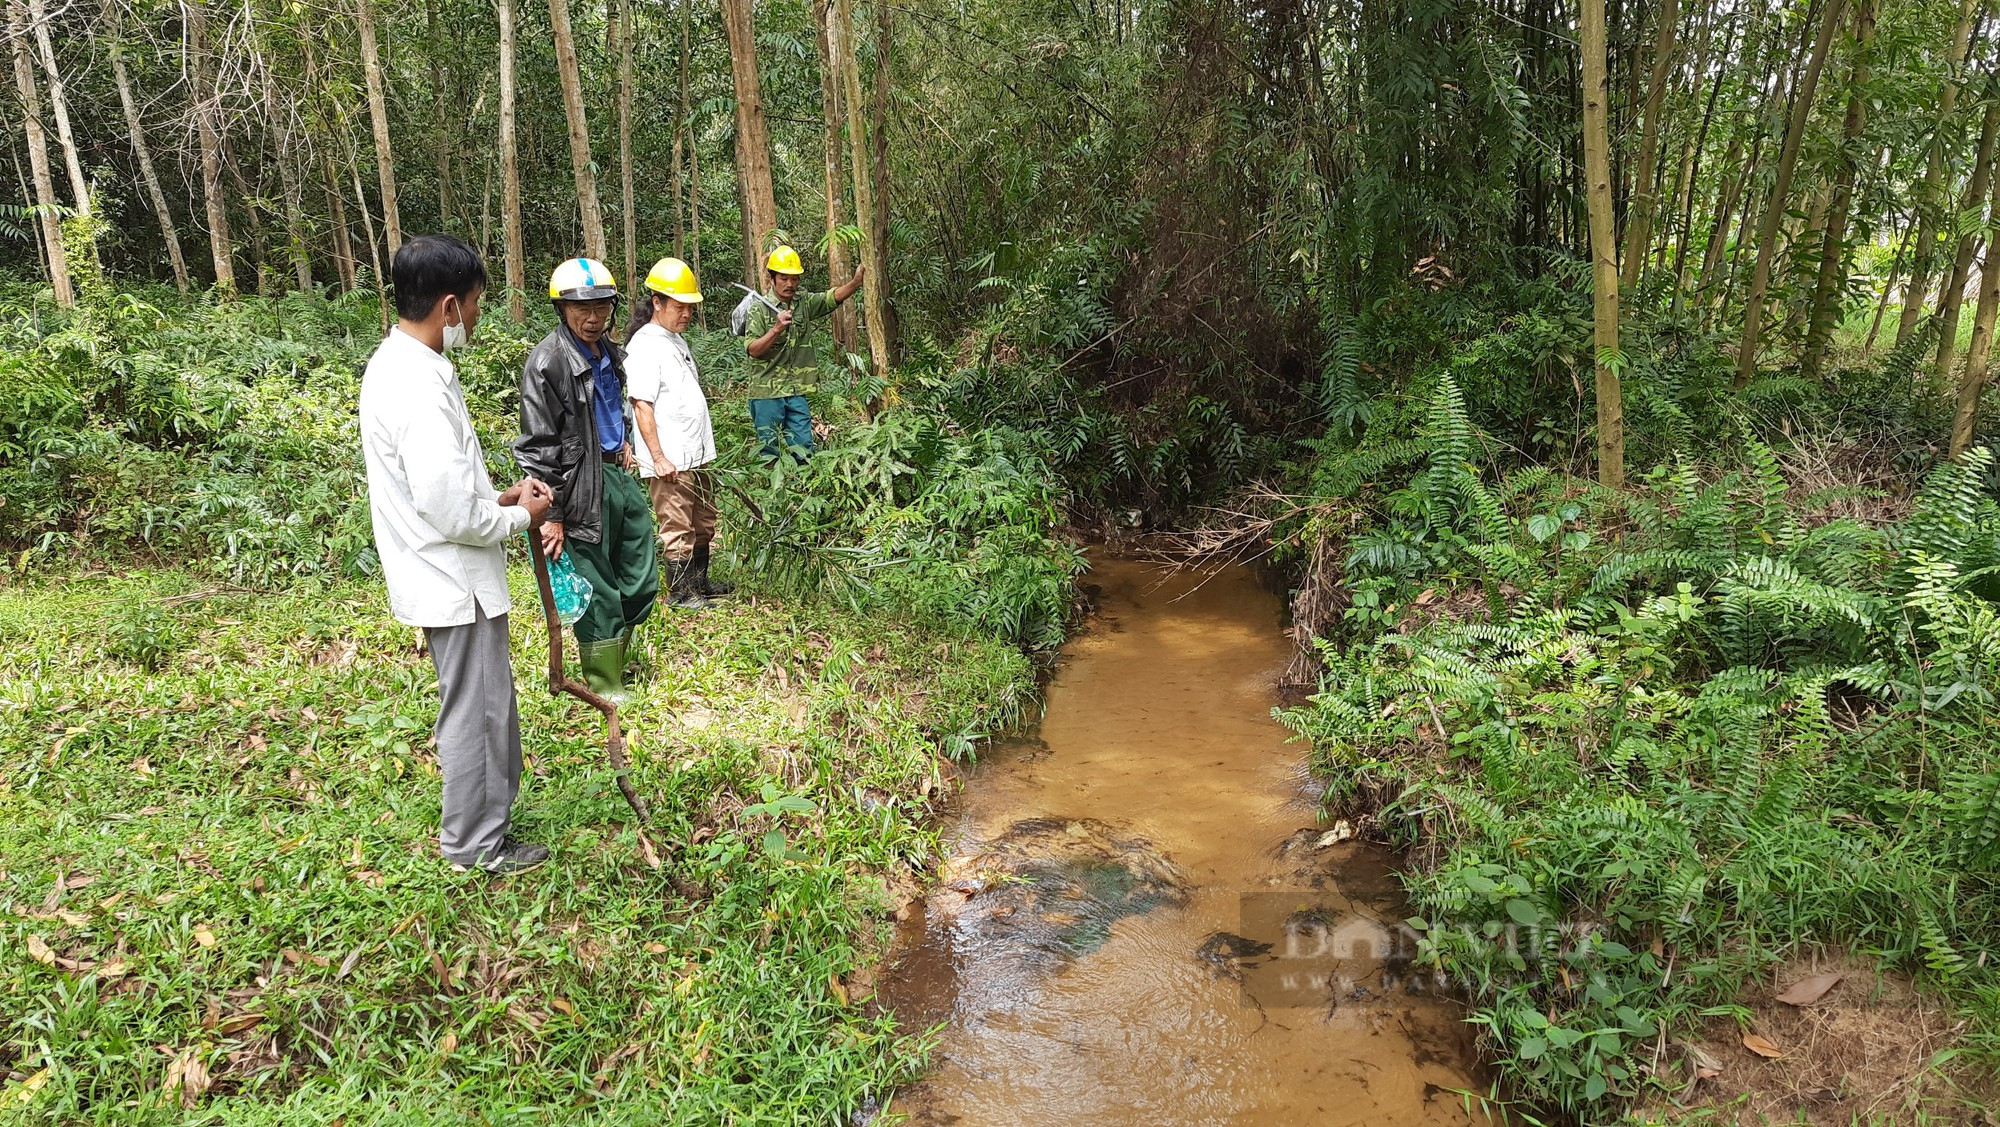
x=1143 y=924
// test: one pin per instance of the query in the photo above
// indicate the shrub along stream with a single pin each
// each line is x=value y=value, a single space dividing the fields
x=1645 y=745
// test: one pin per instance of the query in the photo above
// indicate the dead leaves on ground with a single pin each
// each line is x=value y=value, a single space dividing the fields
x=1806 y=991
x=187 y=1077
x=1762 y=1046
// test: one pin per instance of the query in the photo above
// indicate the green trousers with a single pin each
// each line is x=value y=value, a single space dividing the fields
x=623 y=567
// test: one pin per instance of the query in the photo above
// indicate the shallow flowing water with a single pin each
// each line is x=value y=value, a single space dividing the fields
x=1142 y=922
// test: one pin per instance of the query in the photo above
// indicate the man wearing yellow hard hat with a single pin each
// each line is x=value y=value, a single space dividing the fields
x=574 y=437
x=784 y=364
x=676 y=440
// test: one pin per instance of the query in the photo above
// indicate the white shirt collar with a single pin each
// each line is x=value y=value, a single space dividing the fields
x=405 y=341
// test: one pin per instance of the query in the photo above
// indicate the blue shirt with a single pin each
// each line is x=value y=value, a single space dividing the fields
x=608 y=402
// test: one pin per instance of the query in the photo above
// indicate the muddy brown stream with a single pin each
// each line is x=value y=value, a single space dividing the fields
x=1143 y=922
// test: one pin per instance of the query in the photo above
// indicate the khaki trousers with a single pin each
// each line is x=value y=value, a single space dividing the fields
x=684 y=506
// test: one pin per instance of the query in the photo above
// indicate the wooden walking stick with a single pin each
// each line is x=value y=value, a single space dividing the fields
x=561 y=682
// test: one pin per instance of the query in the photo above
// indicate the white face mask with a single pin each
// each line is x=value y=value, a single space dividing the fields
x=455 y=336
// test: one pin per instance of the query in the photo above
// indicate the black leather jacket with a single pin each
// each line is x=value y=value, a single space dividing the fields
x=558 y=442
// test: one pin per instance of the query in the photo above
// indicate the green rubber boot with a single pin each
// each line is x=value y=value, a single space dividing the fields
x=604 y=667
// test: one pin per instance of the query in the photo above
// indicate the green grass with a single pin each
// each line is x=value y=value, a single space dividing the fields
x=220 y=808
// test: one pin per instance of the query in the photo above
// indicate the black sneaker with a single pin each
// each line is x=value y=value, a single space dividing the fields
x=513 y=856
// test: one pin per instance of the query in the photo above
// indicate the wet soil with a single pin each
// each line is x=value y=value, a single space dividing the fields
x=1143 y=921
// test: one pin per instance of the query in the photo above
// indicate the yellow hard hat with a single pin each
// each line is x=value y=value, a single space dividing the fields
x=675 y=279
x=582 y=279
x=784 y=260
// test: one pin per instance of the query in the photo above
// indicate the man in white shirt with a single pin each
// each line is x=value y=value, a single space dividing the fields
x=676 y=440
x=441 y=531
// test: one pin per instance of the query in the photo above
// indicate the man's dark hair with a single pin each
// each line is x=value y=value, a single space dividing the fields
x=430 y=266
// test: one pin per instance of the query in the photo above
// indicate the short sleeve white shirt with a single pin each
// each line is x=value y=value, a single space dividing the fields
x=659 y=369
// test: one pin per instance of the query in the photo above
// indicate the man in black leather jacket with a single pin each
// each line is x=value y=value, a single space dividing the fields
x=575 y=437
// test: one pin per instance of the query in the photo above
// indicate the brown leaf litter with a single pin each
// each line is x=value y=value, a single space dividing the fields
x=1832 y=1040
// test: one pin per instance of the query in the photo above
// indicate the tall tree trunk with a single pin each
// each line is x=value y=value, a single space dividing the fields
x=591 y=216
x=1953 y=294
x=510 y=174
x=374 y=246
x=830 y=114
x=133 y=125
x=694 y=202
x=252 y=211
x=336 y=205
x=680 y=139
x=295 y=227
x=1931 y=196
x=1603 y=244
x=443 y=129
x=1727 y=194
x=627 y=207
x=1829 y=286
x=1979 y=351
x=842 y=36
x=207 y=115
x=378 y=117
x=1774 y=210
x=79 y=184
x=881 y=291
x=1645 y=201
x=753 y=142
x=38 y=155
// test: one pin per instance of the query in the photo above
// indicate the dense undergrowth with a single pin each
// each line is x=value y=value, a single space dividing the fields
x=222 y=434
x=1645 y=745
x=220 y=898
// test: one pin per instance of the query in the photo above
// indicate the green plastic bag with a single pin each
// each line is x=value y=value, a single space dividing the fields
x=572 y=591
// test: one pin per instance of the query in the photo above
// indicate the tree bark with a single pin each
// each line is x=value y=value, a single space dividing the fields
x=510 y=174
x=753 y=142
x=207 y=113
x=378 y=117
x=830 y=114
x=694 y=183
x=295 y=227
x=1952 y=297
x=79 y=184
x=443 y=129
x=1979 y=351
x=1931 y=195
x=628 y=210
x=842 y=35
x=1774 y=210
x=1645 y=200
x=680 y=139
x=590 y=214
x=336 y=205
x=1828 y=287
x=368 y=226
x=46 y=203
x=133 y=125
x=1603 y=244
x=881 y=289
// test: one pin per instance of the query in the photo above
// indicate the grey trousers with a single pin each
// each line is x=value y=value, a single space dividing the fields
x=478 y=735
